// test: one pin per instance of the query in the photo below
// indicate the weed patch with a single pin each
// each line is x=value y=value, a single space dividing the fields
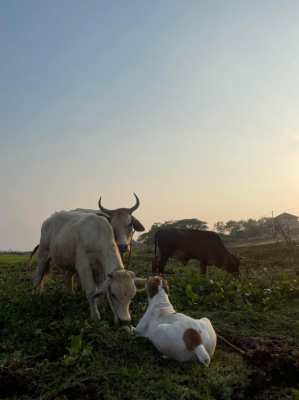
x=49 y=348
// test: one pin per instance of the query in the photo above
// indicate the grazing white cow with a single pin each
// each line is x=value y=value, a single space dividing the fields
x=85 y=242
x=175 y=335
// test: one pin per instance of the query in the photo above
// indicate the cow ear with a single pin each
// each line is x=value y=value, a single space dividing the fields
x=103 y=288
x=132 y=274
x=140 y=283
x=137 y=225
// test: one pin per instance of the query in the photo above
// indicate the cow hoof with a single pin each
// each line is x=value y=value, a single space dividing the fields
x=133 y=330
x=129 y=329
x=95 y=317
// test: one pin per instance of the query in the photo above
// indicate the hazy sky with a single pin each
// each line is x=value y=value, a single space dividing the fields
x=194 y=105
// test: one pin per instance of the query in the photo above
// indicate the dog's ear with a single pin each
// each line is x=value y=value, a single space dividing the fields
x=152 y=286
x=137 y=225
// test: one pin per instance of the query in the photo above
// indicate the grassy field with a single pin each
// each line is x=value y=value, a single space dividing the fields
x=49 y=349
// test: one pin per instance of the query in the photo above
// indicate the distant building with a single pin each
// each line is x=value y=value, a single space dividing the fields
x=287 y=221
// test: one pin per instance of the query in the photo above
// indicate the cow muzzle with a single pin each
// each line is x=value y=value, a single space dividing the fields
x=126 y=325
x=123 y=248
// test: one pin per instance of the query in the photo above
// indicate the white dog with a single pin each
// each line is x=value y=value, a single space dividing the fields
x=175 y=335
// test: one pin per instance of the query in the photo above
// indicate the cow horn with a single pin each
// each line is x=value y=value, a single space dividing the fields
x=136 y=204
x=105 y=210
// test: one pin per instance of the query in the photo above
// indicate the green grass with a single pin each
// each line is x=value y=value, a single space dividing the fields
x=49 y=349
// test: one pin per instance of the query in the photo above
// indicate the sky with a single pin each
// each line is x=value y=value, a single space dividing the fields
x=193 y=105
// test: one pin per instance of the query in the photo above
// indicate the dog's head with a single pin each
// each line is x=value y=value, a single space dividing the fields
x=154 y=284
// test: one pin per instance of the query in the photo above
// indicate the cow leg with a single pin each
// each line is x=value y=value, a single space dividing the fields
x=88 y=285
x=42 y=269
x=69 y=281
x=203 y=268
x=162 y=262
x=76 y=282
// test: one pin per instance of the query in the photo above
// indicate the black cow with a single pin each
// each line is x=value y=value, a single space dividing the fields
x=186 y=244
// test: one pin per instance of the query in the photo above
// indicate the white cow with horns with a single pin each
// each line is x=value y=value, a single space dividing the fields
x=122 y=221
x=84 y=242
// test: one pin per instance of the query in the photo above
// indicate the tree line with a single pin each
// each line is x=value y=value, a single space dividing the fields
x=229 y=231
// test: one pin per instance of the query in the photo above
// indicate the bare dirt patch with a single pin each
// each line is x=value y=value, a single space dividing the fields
x=276 y=365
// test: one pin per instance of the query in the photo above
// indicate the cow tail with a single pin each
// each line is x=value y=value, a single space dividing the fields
x=33 y=252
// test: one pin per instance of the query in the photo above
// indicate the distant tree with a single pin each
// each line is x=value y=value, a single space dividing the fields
x=234 y=227
x=220 y=227
x=148 y=237
x=190 y=223
x=247 y=229
x=251 y=227
x=265 y=227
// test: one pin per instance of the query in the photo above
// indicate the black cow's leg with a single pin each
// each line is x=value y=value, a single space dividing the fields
x=162 y=262
x=203 y=268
